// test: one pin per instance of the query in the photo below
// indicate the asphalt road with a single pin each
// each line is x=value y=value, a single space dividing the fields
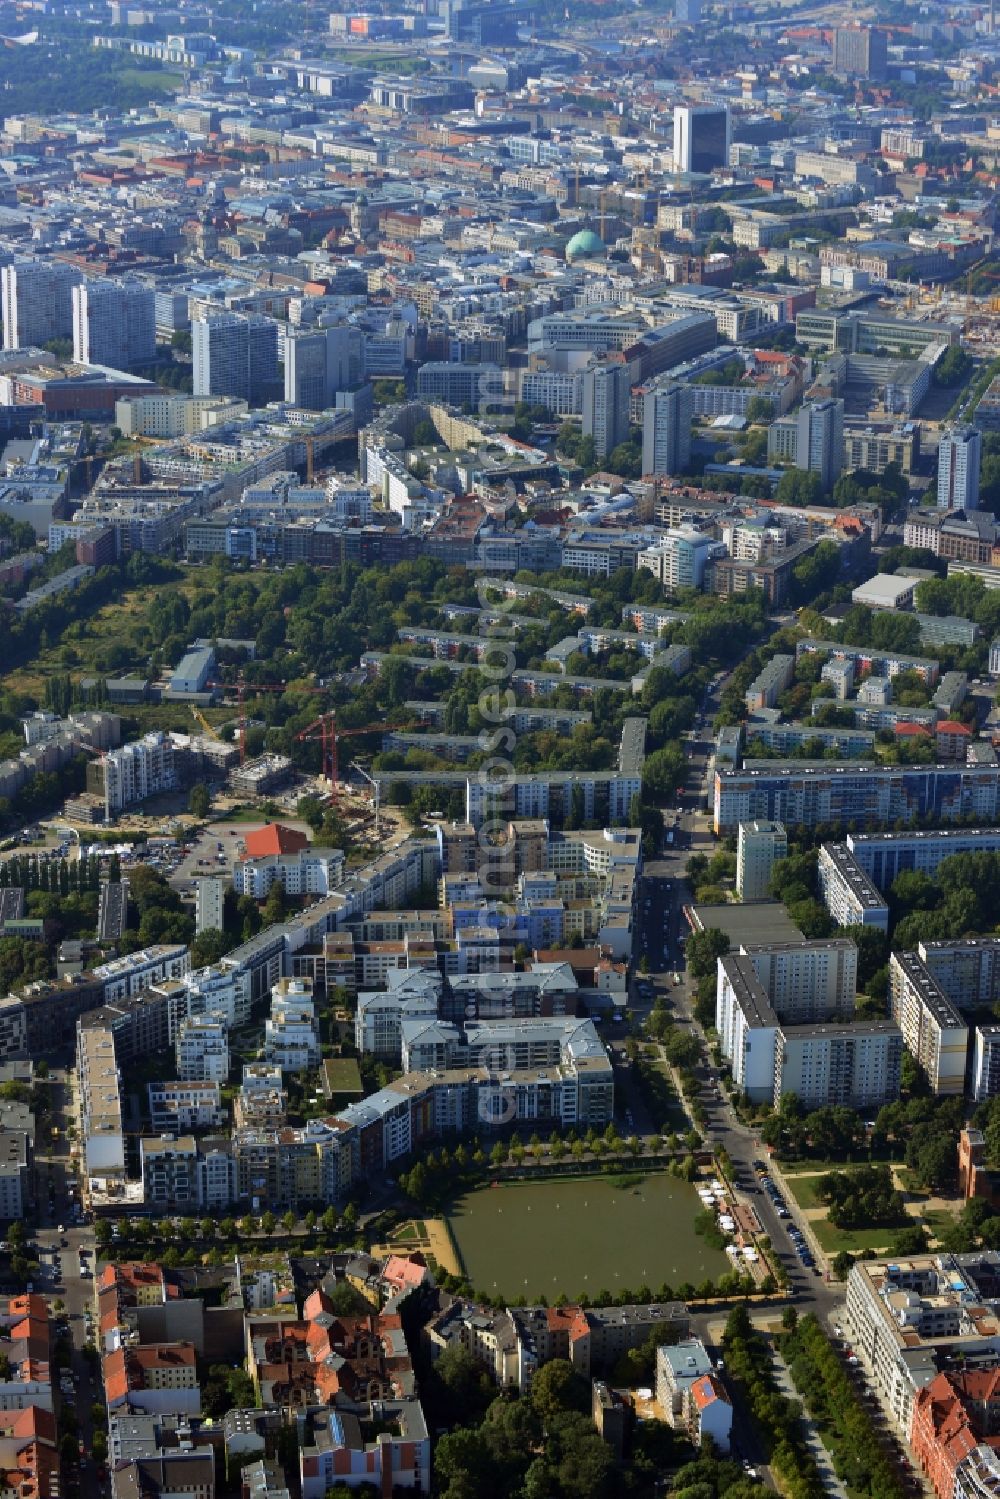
x=71 y=1281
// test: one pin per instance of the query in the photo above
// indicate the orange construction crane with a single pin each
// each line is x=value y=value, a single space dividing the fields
x=325 y=730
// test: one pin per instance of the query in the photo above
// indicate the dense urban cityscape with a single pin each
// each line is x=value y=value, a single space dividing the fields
x=500 y=750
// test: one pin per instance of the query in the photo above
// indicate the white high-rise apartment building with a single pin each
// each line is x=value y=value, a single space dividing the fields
x=37 y=297
x=114 y=323
x=135 y=771
x=605 y=405
x=759 y=847
x=202 y=1049
x=819 y=440
x=235 y=355
x=667 y=414
x=959 y=456
x=321 y=362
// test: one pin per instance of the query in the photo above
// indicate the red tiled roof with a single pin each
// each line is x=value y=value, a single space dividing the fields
x=275 y=838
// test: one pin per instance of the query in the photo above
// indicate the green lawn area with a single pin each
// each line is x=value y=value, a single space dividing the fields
x=803 y=1189
x=937 y=1220
x=160 y=82
x=832 y=1240
x=817 y=1167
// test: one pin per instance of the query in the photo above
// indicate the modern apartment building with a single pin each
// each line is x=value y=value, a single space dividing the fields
x=177 y=1108
x=236 y=356
x=311 y=871
x=101 y=1124
x=959 y=456
x=37 y=300
x=667 y=414
x=935 y=1034
x=132 y=773
x=320 y=362
x=114 y=323
x=804 y=794
x=908 y=1316
x=605 y=402
x=291 y=1032
x=678 y=557
x=202 y=1049
x=210 y=899
x=759 y=846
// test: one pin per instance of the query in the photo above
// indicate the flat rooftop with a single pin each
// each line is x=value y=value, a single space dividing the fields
x=762 y=924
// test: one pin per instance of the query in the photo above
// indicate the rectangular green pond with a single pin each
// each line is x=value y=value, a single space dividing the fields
x=582 y=1235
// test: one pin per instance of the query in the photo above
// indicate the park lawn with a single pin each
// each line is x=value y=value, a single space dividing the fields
x=936 y=1221
x=817 y=1167
x=803 y=1189
x=676 y=1120
x=832 y=1240
x=158 y=82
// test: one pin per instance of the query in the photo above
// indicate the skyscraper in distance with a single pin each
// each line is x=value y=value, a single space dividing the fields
x=605 y=404
x=667 y=414
x=819 y=440
x=860 y=51
x=701 y=137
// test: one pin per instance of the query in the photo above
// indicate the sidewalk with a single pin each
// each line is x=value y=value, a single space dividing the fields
x=831 y=1483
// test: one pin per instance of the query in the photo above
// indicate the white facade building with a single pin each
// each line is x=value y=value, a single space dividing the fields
x=37 y=297
x=959 y=454
x=114 y=323
x=202 y=1049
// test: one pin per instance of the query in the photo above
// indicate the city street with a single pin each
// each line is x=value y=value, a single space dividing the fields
x=65 y=1276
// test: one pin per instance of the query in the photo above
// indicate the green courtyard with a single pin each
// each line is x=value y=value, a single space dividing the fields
x=583 y=1235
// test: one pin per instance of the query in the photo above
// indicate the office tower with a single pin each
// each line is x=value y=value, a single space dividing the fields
x=819 y=440
x=667 y=414
x=321 y=362
x=114 y=323
x=235 y=356
x=701 y=137
x=484 y=23
x=759 y=847
x=687 y=12
x=861 y=51
x=605 y=405
x=37 y=300
x=958 y=469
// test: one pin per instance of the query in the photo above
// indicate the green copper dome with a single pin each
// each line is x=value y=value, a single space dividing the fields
x=584 y=246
